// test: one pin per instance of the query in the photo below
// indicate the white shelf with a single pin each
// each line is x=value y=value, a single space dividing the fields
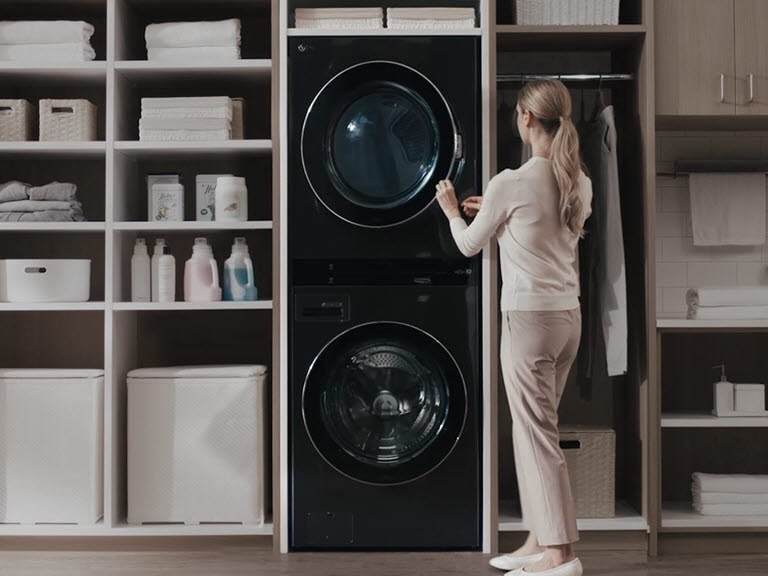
x=141 y=148
x=50 y=306
x=626 y=519
x=191 y=226
x=710 y=421
x=383 y=32
x=694 y=325
x=238 y=69
x=52 y=226
x=155 y=306
x=682 y=515
x=91 y=148
x=100 y=529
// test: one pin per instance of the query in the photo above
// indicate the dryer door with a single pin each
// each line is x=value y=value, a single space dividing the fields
x=375 y=141
x=384 y=403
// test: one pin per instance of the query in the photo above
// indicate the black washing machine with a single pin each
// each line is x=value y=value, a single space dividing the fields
x=374 y=123
x=385 y=401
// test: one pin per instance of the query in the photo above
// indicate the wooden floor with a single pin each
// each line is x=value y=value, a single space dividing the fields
x=225 y=560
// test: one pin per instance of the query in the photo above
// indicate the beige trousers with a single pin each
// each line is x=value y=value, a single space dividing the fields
x=537 y=351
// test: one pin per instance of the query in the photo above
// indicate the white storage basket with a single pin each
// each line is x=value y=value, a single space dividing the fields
x=15 y=120
x=51 y=446
x=566 y=12
x=590 y=453
x=45 y=280
x=72 y=120
x=197 y=448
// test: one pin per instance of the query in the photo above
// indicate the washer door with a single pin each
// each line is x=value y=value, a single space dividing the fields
x=384 y=403
x=375 y=141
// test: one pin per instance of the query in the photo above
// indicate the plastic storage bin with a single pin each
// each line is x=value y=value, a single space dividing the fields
x=45 y=280
x=566 y=12
x=51 y=446
x=72 y=120
x=197 y=444
x=15 y=120
x=591 y=456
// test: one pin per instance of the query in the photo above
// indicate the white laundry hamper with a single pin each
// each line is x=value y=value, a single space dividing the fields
x=51 y=446
x=197 y=444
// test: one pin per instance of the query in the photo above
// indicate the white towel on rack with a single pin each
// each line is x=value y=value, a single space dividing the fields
x=166 y=113
x=437 y=17
x=727 y=296
x=741 y=483
x=184 y=135
x=329 y=18
x=728 y=498
x=731 y=509
x=197 y=54
x=727 y=208
x=63 y=52
x=184 y=124
x=44 y=31
x=187 y=107
x=180 y=34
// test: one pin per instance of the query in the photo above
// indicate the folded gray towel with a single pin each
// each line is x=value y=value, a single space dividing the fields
x=42 y=216
x=37 y=205
x=62 y=191
x=13 y=190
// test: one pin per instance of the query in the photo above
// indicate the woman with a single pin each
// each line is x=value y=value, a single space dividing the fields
x=537 y=215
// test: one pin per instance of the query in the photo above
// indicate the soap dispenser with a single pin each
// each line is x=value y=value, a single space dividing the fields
x=723 y=394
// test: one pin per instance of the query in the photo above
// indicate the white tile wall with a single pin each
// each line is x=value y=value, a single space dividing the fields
x=680 y=264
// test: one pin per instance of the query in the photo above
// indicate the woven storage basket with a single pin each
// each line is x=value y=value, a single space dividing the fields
x=591 y=456
x=15 y=120
x=566 y=12
x=67 y=120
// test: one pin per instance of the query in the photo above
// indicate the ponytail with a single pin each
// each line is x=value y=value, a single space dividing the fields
x=564 y=153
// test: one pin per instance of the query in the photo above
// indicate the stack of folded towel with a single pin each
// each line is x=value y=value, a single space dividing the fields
x=325 y=18
x=730 y=494
x=46 y=41
x=420 y=18
x=197 y=42
x=186 y=118
x=53 y=202
x=732 y=303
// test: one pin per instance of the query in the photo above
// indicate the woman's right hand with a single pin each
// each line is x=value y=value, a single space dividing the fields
x=471 y=205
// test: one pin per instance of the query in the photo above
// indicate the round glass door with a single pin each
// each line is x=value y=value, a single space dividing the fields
x=375 y=141
x=384 y=403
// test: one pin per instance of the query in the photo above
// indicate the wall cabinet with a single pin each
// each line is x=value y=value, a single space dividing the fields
x=711 y=57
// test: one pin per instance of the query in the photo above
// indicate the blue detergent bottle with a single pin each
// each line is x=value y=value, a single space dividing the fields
x=239 y=282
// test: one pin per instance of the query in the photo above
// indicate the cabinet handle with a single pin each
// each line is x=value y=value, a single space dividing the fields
x=751 y=88
x=722 y=88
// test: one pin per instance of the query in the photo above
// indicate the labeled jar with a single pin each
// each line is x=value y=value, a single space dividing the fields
x=231 y=199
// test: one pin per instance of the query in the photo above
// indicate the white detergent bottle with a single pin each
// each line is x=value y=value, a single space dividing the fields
x=156 y=253
x=201 y=274
x=238 y=279
x=140 y=285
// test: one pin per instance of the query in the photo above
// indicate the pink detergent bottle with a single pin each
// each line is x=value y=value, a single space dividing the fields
x=201 y=274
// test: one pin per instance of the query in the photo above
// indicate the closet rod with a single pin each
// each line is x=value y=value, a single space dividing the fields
x=502 y=78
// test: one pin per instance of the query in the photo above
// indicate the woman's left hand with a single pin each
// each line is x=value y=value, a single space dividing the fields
x=446 y=197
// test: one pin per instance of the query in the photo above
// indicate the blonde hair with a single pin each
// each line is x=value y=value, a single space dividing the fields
x=549 y=102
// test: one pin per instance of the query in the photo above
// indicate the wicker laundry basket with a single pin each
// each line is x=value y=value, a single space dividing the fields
x=591 y=456
x=566 y=12
x=73 y=120
x=15 y=120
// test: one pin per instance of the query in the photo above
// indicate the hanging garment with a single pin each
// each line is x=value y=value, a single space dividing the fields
x=601 y=254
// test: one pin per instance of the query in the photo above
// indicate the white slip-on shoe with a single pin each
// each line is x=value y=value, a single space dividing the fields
x=509 y=562
x=572 y=568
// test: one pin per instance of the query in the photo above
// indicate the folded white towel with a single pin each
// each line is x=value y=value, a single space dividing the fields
x=35 y=205
x=184 y=124
x=70 y=52
x=338 y=13
x=180 y=34
x=431 y=24
x=44 y=31
x=741 y=483
x=190 y=113
x=197 y=54
x=726 y=312
x=731 y=509
x=728 y=498
x=431 y=13
x=727 y=296
x=185 y=102
x=340 y=23
x=184 y=135
x=727 y=208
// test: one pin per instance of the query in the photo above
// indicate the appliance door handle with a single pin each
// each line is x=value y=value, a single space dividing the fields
x=751 y=88
x=722 y=88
